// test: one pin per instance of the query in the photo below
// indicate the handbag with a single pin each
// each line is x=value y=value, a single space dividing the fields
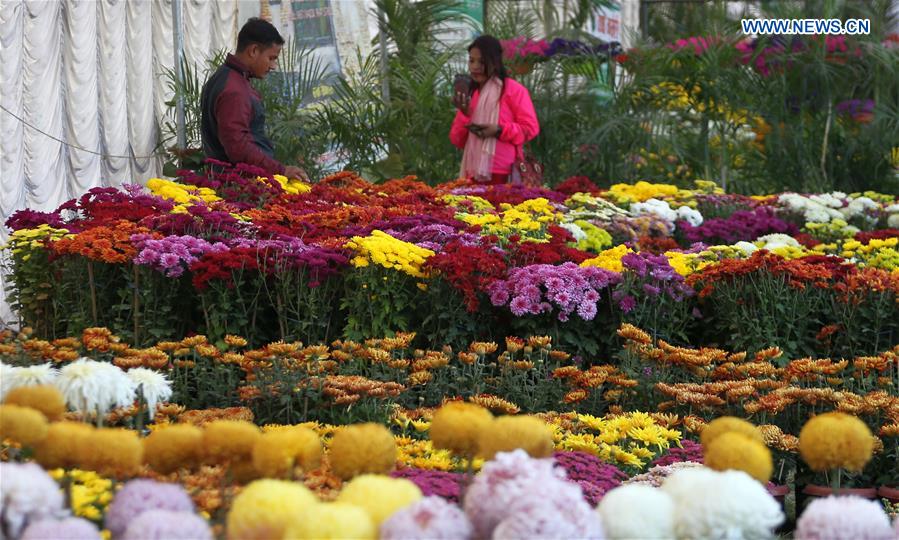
x=526 y=170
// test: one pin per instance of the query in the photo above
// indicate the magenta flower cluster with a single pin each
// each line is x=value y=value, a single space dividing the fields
x=172 y=255
x=542 y=288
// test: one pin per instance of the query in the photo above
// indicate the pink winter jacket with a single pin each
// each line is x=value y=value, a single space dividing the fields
x=516 y=117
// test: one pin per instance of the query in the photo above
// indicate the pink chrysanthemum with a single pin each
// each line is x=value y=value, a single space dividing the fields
x=431 y=517
x=839 y=517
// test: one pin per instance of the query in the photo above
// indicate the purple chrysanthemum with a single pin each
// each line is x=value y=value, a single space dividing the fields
x=431 y=517
x=65 y=529
x=139 y=496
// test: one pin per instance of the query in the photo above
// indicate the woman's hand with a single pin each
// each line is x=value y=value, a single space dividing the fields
x=487 y=131
x=462 y=101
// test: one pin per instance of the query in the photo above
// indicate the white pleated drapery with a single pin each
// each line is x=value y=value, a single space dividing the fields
x=90 y=73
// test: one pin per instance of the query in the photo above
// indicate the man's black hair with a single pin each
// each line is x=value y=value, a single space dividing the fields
x=258 y=31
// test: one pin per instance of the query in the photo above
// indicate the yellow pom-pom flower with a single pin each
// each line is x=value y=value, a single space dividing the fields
x=112 y=452
x=44 y=398
x=173 y=447
x=728 y=424
x=382 y=249
x=276 y=453
x=64 y=444
x=265 y=508
x=229 y=441
x=456 y=426
x=507 y=433
x=23 y=425
x=733 y=450
x=836 y=440
x=362 y=448
x=333 y=521
x=379 y=496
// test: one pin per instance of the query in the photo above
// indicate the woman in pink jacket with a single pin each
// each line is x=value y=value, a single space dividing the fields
x=495 y=116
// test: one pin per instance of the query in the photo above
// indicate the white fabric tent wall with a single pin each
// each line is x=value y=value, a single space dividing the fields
x=89 y=72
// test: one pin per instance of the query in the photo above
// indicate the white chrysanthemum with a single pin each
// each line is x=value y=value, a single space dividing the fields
x=828 y=199
x=729 y=504
x=893 y=221
x=691 y=216
x=16 y=377
x=776 y=240
x=860 y=206
x=576 y=231
x=892 y=209
x=153 y=386
x=748 y=248
x=92 y=387
x=658 y=208
x=637 y=511
x=27 y=494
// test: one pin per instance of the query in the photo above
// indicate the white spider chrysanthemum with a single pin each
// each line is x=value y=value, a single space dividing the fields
x=747 y=248
x=691 y=216
x=153 y=386
x=776 y=240
x=92 y=387
x=576 y=231
x=729 y=504
x=12 y=377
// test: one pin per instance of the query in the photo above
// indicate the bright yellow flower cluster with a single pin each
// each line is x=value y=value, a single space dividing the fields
x=686 y=263
x=291 y=186
x=422 y=454
x=630 y=439
x=882 y=198
x=528 y=219
x=91 y=493
x=472 y=202
x=181 y=193
x=25 y=240
x=640 y=192
x=609 y=259
x=876 y=253
x=674 y=96
x=382 y=249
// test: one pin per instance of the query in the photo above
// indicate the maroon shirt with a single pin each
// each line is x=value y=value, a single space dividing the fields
x=233 y=122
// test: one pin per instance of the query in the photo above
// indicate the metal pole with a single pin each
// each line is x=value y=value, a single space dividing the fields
x=382 y=42
x=178 y=42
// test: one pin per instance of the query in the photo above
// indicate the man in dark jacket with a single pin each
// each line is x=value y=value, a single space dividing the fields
x=233 y=123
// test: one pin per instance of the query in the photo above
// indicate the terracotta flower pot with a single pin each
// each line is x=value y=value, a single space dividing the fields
x=814 y=490
x=777 y=491
x=887 y=492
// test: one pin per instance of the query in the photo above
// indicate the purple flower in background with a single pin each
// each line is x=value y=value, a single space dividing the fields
x=171 y=255
x=742 y=225
x=594 y=476
x=627 y=303
x=689 y=451
x=438 y=483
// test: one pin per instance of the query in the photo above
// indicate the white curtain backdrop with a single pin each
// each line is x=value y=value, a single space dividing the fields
x=90 y=73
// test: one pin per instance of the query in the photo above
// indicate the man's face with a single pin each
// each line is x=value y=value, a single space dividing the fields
x=263 y=59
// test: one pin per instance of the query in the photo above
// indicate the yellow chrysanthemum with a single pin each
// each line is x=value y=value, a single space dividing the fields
x=63 y=445
x=266 y=508
x=836 y=440
x=333 y=521
x=456 y=426
x=733 y=450
x=382 y=249
x=229 y=441
x=170 y=448
x=23 y=425
x=362 y=448
x=510 y=432
x=45 y=399
x=275 y=454
x=727 y=424
x=112 y=452
x=380 y=496
x=609 y=259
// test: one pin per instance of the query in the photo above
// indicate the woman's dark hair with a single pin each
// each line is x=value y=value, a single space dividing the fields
x=258 y=31
x=492 y=53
